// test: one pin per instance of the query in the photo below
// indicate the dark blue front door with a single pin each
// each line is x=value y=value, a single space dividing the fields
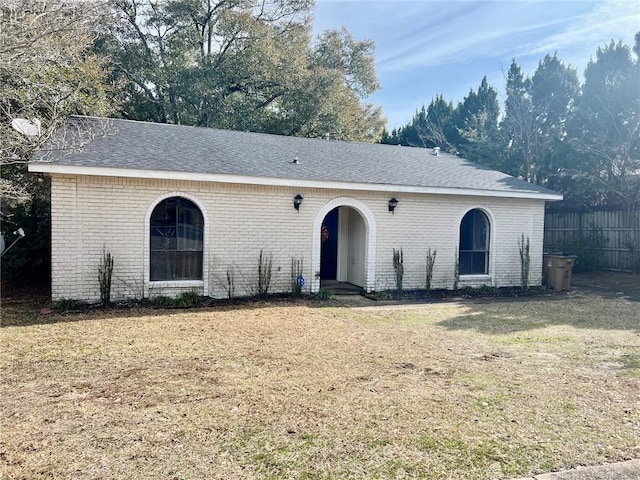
x=329 y=246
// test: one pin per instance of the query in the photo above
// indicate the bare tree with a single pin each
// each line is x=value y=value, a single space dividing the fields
x=433 y=132
x=48 y=71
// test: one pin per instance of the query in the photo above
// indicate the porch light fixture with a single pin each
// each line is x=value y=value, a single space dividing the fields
x=297 y=201
x=393 y=203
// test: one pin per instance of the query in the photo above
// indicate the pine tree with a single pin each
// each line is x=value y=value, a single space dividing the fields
x=476 y=122
x=605 y=128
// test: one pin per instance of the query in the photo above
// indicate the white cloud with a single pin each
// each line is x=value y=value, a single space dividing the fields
x=611 y=19
x=469 y=31
x=428 y=47
x=418 y=34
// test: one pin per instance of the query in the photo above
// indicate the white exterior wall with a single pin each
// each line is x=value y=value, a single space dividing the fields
x=423 y=222
x=90 y=213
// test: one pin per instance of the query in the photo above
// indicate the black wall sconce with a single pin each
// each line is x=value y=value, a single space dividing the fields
x=393 y=203
x=297 y=201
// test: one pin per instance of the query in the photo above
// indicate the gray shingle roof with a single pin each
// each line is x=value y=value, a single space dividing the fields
x=174 y=148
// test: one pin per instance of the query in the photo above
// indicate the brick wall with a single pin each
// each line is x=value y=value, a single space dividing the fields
x=422 y=222
x=92 y=213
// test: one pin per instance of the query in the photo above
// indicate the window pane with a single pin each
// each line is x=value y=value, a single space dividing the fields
x=176 y=265
x=162 y=265
x=479 y=231
x=478 y=265
x=163 y=237
x=466 y=263
x=466 y=232
x=188 y=265
x=164 y=213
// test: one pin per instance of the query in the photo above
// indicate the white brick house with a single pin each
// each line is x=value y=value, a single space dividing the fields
x=180 y=207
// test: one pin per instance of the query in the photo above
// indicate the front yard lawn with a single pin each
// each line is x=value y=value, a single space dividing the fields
x=466 y=390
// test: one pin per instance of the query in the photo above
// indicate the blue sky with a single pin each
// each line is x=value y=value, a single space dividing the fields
x=427 y=47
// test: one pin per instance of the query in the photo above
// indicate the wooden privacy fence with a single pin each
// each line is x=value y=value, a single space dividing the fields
x=602 y=238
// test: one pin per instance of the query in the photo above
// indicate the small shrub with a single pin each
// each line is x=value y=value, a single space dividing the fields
x=456 y=271
x=105 y=272
x=188 y=299
x=163 y=301
x=66 y=304
x=398 y=267
x=296 y=276
x=184 y=300
x=265 y=265
x=231 y=283
x=487 y=290
x=431 y=260
x=382 y=295
x=525 y=261
x=325 y=294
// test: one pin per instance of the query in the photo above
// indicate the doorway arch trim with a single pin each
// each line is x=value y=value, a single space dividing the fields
x=370 y=241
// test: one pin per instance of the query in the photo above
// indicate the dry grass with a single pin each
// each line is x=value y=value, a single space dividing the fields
x=453 y=390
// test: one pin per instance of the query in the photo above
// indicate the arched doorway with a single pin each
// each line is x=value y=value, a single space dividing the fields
x=343 y=247
x=344 y=244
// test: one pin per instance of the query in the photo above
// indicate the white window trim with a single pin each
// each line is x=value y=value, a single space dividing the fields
x=473 y=278
x=175 y=283
x=149 y=285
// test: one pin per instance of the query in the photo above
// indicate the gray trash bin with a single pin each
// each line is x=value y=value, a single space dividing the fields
x=557 y=270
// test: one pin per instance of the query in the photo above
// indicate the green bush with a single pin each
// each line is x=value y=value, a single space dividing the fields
x=184 y=300
x=189 y=299
x=67 y=304
x=487 y=290
x=325 y=294
x=163 y=301
x=382 y=295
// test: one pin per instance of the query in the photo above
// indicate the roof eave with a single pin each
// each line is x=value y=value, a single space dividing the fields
x=61 y=169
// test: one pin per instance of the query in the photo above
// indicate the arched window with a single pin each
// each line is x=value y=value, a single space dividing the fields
x=176 y=232
x=474 y=243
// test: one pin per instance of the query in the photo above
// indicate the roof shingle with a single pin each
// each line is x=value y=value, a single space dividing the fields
x=174 y=148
